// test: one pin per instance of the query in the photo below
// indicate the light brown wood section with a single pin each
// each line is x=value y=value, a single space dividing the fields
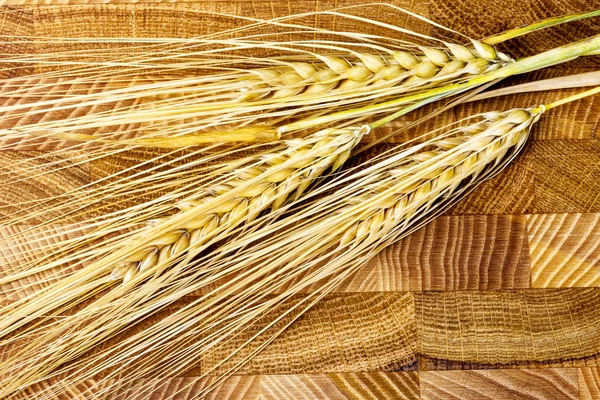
x=530 y=384
x=564 y=249
x=589 y=383
x=340 y=386
x=524 y=328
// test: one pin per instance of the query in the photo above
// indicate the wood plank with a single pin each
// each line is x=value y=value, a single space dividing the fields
x=565 y=250
x=361 y=332
x=532 y=384
x=342 y=386
x=508 y=329
x=589 y=383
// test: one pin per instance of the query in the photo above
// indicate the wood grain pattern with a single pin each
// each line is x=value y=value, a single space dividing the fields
x=21 y=194
x=15 y=252
x=531 y=384
x=523 y=328
x=564 y=249
x=342 y=333
x=155 y=389
x=469 y=252
x=589 y=383
x=566 y=176
x=342 y=386
x=53 y=87
x=550 y=176
x=15 y=22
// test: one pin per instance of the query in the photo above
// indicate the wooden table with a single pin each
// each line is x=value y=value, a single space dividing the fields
x=497 y=299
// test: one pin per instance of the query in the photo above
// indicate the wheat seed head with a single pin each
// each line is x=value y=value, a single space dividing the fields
x=267 y=184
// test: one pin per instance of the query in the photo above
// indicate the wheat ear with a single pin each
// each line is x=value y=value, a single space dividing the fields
x=411 y=188
x=268 y=183
x=334 y=73
x=278 y=177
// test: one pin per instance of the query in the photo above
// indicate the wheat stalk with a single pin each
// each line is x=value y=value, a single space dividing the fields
x=220 y=99
x=428 y=65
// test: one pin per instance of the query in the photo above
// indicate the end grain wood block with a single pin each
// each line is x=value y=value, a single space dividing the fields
x=511 y=192
x=550 y=176
x=566 y=175
x=467 y=252
x=361 y=332
x=530 y=384
x=521 y=328
x=565 y=250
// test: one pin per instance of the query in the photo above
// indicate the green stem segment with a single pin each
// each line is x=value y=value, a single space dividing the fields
x=546 y=23
x=528 y=64
x=568 y=99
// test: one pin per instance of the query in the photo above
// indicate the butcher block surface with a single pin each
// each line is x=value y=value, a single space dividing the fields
x=499 y=298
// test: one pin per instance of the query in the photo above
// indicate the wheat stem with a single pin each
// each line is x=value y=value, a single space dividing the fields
x=570 y=99
x=545 y=23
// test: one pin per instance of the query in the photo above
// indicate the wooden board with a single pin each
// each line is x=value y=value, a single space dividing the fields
x=497 y=299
